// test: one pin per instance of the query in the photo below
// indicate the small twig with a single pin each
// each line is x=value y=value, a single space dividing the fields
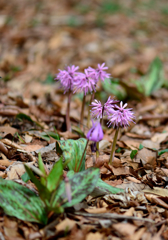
x=77 y=170
x=112 y=216
x=82 y=111
x=151 y=117
x=68 y=123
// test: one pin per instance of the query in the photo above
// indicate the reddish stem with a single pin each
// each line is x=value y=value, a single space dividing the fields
x=68 y=123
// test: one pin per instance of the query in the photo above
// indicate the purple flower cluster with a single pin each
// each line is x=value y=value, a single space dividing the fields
x=119 y=116
x=66 y=78
x=98 y=110
x=71 y=80
x=85 y=82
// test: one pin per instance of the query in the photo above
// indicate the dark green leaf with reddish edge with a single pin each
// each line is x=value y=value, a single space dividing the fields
x=81 y=183
x=72 y=151
x=18 y=201
x=55 y=175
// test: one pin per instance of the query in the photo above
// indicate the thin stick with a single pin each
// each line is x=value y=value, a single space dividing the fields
x=82 y=157
x=113 y=147
x=89 y=108
x=97 y=150
x=82 y=111
x=68 y=123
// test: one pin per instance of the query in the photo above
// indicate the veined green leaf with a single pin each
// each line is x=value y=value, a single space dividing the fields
x=55 y=175
x=17 y=200
x=103 y=188
x=43 y=191
x=81 y=183
x=72 y=151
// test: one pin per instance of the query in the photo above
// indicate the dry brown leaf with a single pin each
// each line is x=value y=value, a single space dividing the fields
x=16 y=170
x=157 y=191
x=125 y=229
x=65 y=224
x=138 y=234
x=96 y=210
x=32 y=148
x=121 y=171
x=159 y=137
x=8 y=129
x=147 y=157
x=129 y=212
x=11 y=228
x=156 y=200
x=127 y=199
x=94 y=236
x=150 y=144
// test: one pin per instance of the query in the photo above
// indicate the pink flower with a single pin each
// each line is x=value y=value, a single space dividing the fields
x=85 y=82
x=121 y=117
x=66 y=77
x=100 y=72
x=98 y=110
x=95 y=134
x=109 y=104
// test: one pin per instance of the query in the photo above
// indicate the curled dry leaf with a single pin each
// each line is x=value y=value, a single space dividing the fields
x=127 y=199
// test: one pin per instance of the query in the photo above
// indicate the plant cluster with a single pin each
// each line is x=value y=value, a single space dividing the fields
x=58 y=190
x=118 y=116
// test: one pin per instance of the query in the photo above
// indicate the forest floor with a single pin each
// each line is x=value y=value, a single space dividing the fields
x=130 y=37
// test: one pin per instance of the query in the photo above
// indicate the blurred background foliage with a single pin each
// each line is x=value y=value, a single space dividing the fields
x=39 y=37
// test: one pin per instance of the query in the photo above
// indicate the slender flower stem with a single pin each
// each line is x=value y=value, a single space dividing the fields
x=89 y=108
x=82 y=111
x=80 y=163
x=113 y=147
x=97 y=150
x=101 y=120
x=68 y=123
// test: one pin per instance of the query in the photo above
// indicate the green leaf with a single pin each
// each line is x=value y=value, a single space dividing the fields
x=103 y=188
x=133 y=154
x=78 y=130
x=82 y=184
x=42 y=169
x=43 y=191
x=18 y=201
x=53 y=135
x=162 y=151
x=72 y=151
x=114 y=87
x=23 y=116
x=153 y=80
x=25 y=177
x=45 y=136
x=41 y=164
x=141 y=146
x=55 y=175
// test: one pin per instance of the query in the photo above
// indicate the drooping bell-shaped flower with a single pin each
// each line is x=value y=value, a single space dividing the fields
x=95 y=134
